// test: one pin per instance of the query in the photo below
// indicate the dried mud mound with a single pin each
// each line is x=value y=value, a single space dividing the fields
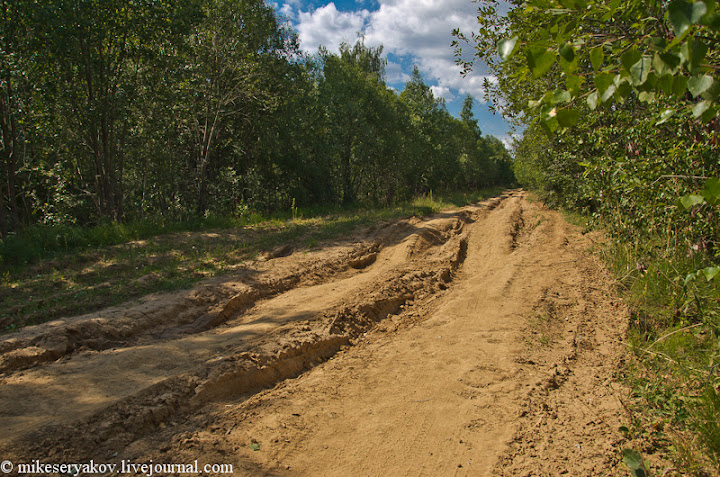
x=479 y=341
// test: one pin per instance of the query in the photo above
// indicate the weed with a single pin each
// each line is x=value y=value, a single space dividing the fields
x=294 y=210
x=708 y=422
x=633 y=460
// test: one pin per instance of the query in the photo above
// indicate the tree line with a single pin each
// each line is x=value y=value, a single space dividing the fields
x=114 y=110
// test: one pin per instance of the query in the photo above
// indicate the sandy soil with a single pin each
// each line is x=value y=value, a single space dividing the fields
x=479 y=341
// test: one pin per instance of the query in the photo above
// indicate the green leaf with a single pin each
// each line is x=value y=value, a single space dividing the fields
x=573 y=4
x=506 y=47
x=700 y=108
x=549 y=124
x=711 y=192
x=640 y=70
x=665 y=116
x=597 y=57
x=629 y=58
x=679 y=86
x=603 y=81
x=657 y=43
x=666 y=63
x=611 y=10
x=699 y=84
x=711 y=272
x=699 y=51
x=592 y=100
x=567 y=52
x=623 y=89
x=713 y=92
x=608 y=94
x=540 y=60
x=560 y=96
x=650 y=83
x=685 y=52
x=573 y=83
x=568 y=117
x=666 y=83
x=633 y=460
x=687 y=201
x=682 y=15
x=647 y=97
x=709 y=115
x=712 y=20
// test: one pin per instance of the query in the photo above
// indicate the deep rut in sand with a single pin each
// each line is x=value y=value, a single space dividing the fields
x=467 y=343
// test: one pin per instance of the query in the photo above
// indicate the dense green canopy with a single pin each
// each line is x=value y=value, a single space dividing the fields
x=126 y=109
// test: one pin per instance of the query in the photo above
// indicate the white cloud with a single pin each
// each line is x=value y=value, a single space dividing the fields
x=423 y=30
x=508 y=139
x=395 y=73
x=442 y=92
x=327 y=26
x=420 y=29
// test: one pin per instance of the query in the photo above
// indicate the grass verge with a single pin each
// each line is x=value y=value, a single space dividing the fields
x=53 y=272
x=674 y=335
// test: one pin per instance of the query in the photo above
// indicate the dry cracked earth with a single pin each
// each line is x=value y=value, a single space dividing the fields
x=478 y=341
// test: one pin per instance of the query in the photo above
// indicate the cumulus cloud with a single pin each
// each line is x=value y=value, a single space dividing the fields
x=442 y=92
x=327 y=26
x=418 y=29
x=395 y=73
x=423 y=30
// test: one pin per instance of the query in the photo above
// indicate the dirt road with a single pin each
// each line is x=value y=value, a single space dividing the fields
x=479 y=341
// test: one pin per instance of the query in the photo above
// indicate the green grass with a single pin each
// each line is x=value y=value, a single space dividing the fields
x=674 y=334
x=51 y=272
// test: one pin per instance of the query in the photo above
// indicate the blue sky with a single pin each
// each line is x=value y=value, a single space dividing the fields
x=412 y=32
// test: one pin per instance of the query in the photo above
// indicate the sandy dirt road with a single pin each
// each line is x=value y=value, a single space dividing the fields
x=479 y=341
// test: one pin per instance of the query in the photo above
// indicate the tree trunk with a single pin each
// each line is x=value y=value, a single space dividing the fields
x=202 y=189
x=8 y=128
x=3 y=216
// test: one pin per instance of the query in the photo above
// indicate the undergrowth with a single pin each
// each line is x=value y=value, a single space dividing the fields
x=50 y=272
x=674 y=335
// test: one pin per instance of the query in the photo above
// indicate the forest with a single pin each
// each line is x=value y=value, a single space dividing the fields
x=618 y=106
x=131 y=110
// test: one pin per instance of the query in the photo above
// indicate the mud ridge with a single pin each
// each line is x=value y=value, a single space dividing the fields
x=403 y=288
x=517 y=223
x=128 y=420
x=202 y=309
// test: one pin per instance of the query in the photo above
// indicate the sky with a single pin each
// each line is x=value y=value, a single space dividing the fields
x=412 y=32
